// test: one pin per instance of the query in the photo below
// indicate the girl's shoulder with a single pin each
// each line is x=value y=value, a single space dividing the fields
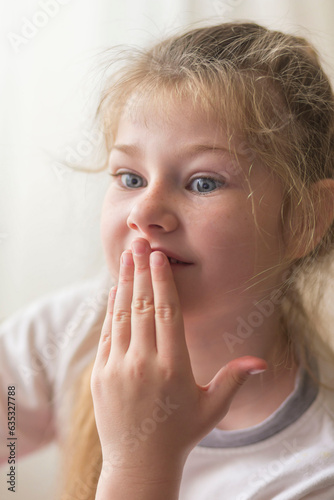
x=323 y=354
x=43 y=349
x=51 y=331
x=60 y=305
x=326 y=372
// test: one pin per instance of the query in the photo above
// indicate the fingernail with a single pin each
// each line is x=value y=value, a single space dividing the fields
x=256 y=372
x=127 y=259
x=138 y=247
x=157 y=259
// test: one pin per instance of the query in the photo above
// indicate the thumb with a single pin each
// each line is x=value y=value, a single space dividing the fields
x=226 y=383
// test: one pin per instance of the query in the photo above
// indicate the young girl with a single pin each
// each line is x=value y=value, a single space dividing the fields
x=210 y=381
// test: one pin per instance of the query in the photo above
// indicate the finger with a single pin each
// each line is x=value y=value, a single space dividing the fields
x=169 y=325
x=121 y=320
x=104 y=345
x=226 y=383
x=142 y=320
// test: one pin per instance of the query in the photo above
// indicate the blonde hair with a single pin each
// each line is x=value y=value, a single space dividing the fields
x=270 y=89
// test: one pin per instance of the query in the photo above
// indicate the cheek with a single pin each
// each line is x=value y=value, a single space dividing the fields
x=270 y=234
x=228 y=231
x=229 y=249
x=111 y=237
x=106 y=226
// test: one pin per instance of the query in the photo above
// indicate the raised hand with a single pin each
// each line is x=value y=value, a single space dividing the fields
x=149 y=410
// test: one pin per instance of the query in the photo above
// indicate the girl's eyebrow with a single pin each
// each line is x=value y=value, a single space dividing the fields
x=188 y=151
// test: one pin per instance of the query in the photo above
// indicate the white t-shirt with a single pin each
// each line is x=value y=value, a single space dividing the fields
x=44 y=348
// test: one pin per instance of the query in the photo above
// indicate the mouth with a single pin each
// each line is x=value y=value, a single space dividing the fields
x=172 y=257
x=178 y=262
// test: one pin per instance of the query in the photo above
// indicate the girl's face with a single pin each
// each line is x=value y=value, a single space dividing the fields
x=176 y=185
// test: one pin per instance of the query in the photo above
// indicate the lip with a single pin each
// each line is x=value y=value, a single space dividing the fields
x=172 y=255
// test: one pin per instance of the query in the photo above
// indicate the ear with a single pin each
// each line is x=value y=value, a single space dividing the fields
x=300 y=236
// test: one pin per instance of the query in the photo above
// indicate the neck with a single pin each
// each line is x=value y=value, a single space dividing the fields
x=211 y=347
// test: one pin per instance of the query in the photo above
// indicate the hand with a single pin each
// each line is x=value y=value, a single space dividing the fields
x=149 y=410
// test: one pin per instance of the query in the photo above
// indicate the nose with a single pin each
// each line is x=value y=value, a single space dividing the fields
x=154 y=211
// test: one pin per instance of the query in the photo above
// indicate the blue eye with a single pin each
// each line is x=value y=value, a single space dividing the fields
x=129 y=180
x=206 y=184
x=132 y=180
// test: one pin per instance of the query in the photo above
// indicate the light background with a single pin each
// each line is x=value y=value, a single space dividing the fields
x=49 y=216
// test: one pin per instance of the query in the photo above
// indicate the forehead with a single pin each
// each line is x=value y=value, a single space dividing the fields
x=171 y=121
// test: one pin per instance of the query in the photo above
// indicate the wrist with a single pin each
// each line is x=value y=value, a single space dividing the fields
x=138 y=483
